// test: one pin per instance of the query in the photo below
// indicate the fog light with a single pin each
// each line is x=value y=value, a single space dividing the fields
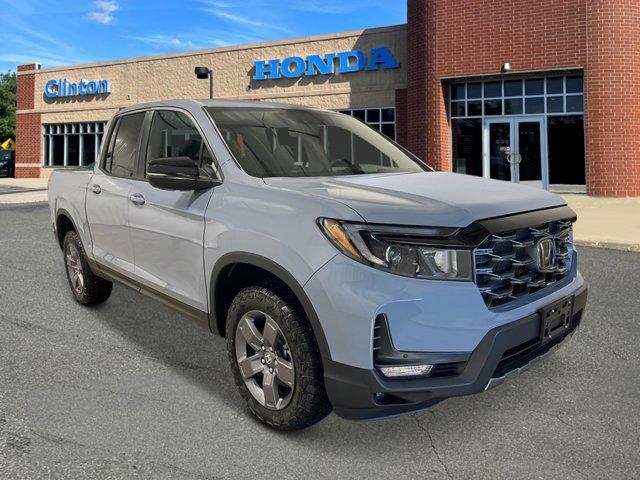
x=406 y=370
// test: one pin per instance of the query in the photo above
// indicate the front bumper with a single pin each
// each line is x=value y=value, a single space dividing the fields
x=505 y=351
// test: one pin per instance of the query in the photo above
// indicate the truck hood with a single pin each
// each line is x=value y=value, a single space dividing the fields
x=427 y=199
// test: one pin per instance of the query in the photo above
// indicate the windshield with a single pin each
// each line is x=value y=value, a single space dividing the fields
x=281 y=142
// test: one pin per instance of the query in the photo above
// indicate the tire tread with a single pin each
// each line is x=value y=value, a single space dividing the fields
x=96 y=289
x=310 y=403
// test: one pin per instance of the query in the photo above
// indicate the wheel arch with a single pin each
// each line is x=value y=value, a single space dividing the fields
x=228 y=262
x=64 y=223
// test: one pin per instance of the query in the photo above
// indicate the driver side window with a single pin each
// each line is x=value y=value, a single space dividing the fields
x=173 y=134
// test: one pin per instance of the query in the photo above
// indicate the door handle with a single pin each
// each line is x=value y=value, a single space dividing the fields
x=137 y=199
x=95 y=188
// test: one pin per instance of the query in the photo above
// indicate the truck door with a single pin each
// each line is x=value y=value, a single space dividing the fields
x=167 y=227
x=108 y=195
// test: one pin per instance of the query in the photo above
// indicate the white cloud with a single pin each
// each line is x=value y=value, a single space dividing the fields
x=164 y=41
x=246 y=21
x=217 y=4
x=327 y=6
x=104 y=10
x=24 y=44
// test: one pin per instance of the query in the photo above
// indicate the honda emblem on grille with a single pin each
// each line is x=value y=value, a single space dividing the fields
x=546 y=254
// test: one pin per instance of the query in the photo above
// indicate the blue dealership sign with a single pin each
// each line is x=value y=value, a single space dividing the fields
x=328 y=64
x=64 y=88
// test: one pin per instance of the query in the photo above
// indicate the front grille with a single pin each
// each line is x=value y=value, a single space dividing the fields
x=506 y=267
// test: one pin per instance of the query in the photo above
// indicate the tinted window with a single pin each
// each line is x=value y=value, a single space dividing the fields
x=574 y=103
x=493 y=107
x=574 y=84
x=467 y=146
x=125 y=147
x=555 y=85
x=173 y=134
x=513 y=106
x=566 y=149
x=474 y=90
x=534 y=105
x=457 y=92
x=278 y=142
x=534 y=87
x=513 y=88
x=492 y=89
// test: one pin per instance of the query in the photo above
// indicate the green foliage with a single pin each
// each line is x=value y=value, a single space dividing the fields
x=7 y=106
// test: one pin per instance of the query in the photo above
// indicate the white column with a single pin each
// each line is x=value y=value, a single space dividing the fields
x=50 y=163
x=96 y=145
x=66 y=147
x=81 y=149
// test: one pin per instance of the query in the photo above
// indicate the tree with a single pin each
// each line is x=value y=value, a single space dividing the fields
x=7 y=105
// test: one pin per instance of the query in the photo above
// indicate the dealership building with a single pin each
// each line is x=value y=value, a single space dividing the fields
x=546 y=93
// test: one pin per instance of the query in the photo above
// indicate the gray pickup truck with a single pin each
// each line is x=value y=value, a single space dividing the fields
x=345 y=273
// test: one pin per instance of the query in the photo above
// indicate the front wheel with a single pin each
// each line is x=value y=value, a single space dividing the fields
x=87 y=287
x=275 y=359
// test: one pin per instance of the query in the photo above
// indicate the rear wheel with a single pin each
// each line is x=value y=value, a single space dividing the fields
x=86 y=286
x=275 y=359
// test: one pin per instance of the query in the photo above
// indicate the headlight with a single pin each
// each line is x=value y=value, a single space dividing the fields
x=411 y=252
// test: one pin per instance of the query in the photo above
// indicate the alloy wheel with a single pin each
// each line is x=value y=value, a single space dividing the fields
x=265 y=360
x=74 y=268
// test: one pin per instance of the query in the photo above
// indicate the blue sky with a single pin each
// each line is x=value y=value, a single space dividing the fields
x=70 y=32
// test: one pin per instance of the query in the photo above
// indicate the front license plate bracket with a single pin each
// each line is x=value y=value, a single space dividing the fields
x=555 y=319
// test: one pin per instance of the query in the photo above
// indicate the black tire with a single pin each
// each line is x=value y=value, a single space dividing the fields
x=93 y=290
x=308 y=402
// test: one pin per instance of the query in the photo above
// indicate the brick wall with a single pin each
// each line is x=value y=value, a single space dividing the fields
x=612 y=97
x=401 y=116
x=417 y=120
x=448 y=38
x=28 y=126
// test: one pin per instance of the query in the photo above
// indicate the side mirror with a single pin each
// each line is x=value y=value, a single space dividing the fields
x=177 y=173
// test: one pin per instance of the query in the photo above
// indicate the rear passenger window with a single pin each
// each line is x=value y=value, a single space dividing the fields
x=122 y=162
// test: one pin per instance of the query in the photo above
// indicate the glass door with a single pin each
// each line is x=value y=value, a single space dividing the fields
x=515 y=150
x=498 y=145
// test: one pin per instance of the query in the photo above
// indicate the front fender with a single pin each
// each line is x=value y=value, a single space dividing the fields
x=276 y=270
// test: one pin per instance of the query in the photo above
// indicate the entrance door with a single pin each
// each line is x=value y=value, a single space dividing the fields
x=498 y=150
x=515 y=150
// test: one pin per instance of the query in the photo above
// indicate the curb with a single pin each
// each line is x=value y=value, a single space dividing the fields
x=11 y=206
x=625 y=247
x=28 y=190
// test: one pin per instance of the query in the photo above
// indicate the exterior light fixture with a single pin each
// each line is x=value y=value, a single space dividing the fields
x=203 y=73
x=506 y=67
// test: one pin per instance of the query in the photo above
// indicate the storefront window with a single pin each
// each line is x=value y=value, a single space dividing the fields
x=71 y=144
x=382 y=119
x=552 y=95
x=467 y=146
x=556 y=103
x=566 y=149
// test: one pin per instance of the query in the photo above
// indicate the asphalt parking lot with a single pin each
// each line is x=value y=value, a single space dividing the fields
x=132 y=390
